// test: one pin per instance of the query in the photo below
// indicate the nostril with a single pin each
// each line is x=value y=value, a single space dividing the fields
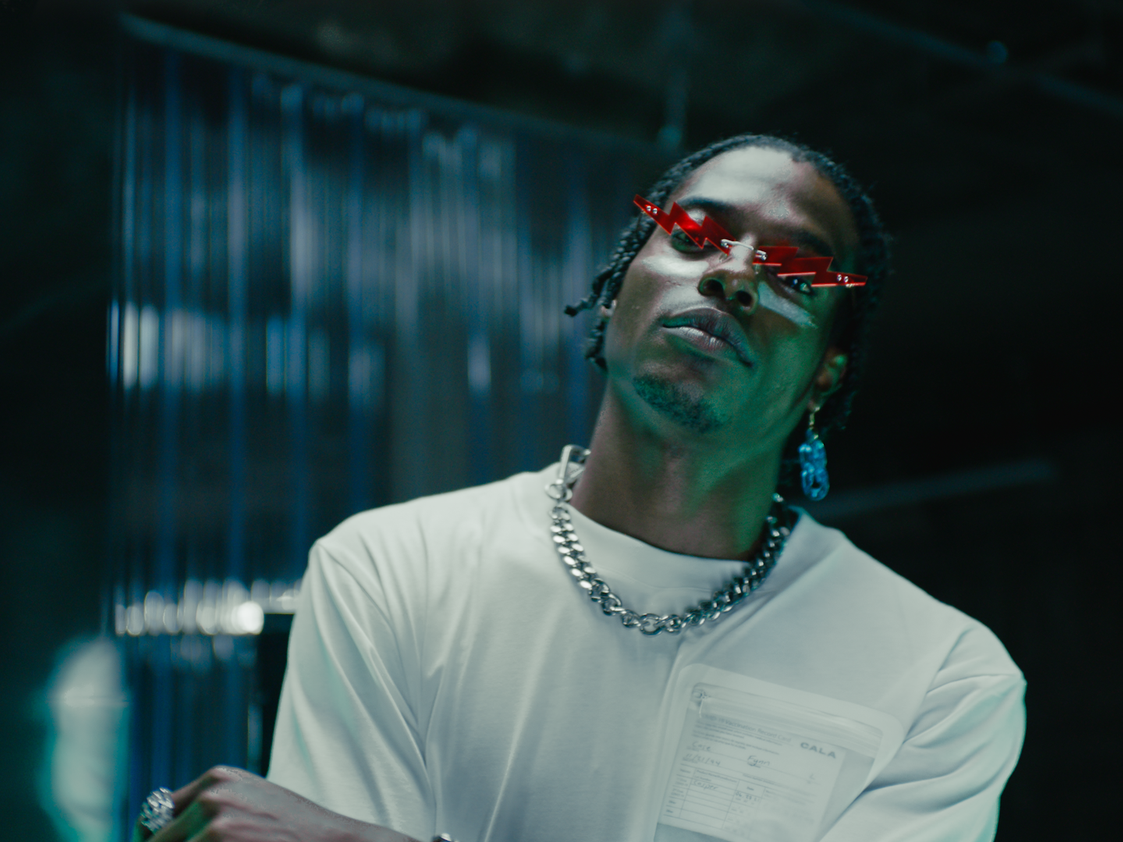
x=744 y=298
x=711 y=286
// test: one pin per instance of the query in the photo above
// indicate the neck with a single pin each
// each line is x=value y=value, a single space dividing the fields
x=683 y=495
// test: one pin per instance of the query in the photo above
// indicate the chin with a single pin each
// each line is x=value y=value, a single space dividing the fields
x=686 y=407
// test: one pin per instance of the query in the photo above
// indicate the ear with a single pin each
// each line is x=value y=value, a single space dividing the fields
x=605 y=313
x=829 y=377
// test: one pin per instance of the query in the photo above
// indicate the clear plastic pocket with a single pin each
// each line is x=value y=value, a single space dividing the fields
x=753 y=768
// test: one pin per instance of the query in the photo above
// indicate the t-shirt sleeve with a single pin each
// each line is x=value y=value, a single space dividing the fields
x=347 y=735
x=945 y=781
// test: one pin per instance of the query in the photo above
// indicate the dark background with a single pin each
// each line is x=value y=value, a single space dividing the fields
x=989 y=134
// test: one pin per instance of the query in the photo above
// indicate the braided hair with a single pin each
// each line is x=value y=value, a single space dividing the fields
x=851 y=328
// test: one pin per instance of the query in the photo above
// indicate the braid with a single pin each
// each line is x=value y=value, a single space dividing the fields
x=851 y=329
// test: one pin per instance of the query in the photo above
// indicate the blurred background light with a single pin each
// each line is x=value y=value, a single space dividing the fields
x=85 y=764
x=334 y=294
x=996 y=51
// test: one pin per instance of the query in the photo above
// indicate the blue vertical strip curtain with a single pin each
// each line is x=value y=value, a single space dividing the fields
x=330 y=297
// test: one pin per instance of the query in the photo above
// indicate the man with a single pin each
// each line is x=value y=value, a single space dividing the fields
x=449 y=673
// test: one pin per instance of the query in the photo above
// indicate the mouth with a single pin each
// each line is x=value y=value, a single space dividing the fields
x=713 y=330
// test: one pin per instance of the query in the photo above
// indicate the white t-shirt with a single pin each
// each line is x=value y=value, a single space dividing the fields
x=446 y=674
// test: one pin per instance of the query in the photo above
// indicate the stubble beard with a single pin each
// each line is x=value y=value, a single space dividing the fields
x=670 y=399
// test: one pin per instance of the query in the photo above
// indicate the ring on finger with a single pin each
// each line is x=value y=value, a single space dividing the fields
x=158 y=809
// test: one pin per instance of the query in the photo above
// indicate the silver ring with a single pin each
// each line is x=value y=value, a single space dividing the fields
x=158 y=809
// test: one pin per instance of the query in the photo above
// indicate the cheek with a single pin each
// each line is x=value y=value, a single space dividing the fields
x=647 y=279
x=785 y=307
x=793 y=364
x=668 y=268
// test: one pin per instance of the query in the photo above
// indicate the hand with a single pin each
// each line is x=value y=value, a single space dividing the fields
x=233 y=805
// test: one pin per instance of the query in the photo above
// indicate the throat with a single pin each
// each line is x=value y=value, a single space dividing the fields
x=672 y=510
x=702 y=496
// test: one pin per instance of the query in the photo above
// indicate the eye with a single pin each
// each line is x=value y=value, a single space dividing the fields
x=792 y=283
x=683 y=243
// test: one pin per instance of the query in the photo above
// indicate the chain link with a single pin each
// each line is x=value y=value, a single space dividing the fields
x=777 y=527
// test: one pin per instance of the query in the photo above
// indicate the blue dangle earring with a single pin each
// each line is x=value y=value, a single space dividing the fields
x=813 y=463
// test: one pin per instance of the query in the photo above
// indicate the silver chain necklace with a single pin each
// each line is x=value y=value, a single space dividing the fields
x=777 y=527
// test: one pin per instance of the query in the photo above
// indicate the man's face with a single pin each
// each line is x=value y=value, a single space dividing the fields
x=751 y=386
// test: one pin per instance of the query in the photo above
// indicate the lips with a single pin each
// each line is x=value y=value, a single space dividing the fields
x=717 y=324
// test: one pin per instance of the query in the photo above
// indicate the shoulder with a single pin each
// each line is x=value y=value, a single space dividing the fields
x=893 y=613
x=411 y=562
x=428 y=528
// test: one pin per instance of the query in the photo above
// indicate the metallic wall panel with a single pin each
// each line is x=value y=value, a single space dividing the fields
x=332 y=296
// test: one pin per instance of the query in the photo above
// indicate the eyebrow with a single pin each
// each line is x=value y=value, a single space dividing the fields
x=798 y=236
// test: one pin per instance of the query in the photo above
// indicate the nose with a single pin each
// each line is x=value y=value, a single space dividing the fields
x=734 y=280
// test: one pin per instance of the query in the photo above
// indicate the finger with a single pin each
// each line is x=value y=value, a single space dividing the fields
x=217 y=774
x=183 y=797
x=190 y=814
x=187 y=824
x=141 y=831
x=189 y=805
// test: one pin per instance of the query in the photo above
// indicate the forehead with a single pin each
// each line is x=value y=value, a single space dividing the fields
x=769 y=190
